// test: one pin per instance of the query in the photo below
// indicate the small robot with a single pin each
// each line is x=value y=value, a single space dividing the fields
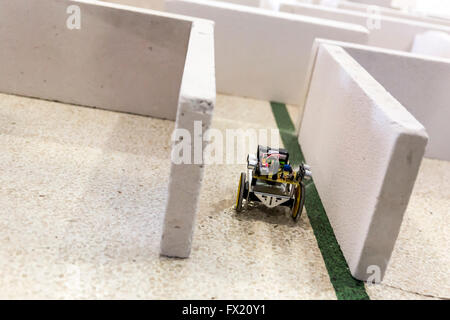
x=272 y=181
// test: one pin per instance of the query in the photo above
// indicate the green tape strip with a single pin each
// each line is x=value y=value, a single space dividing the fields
x=345 y=286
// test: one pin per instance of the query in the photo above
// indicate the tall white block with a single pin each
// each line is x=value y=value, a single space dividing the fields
x=122 y=58
x=197 y=99
x=263 y=54
x=420 y=84
x=365 y=150
x=425 y=97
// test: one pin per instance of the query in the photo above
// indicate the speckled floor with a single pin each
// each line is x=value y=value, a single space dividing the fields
x=420 y=262
x=82 y=193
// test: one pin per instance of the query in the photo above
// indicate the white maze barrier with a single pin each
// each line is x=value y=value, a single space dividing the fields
x=368 y=148
x=118 y=58
x=197 y=99
x=385 y=31
x=261 y=53
x=432 y=43
x=425 y=97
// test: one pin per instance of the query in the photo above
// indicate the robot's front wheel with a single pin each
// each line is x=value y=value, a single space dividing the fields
x=241 y=192
x=299 y=202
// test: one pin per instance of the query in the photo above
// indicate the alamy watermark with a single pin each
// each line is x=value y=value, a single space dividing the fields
x=374 y=20
x=375 y=275
x=215 y=147
x=73 y=22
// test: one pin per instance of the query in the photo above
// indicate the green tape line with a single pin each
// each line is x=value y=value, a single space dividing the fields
x=345 y=286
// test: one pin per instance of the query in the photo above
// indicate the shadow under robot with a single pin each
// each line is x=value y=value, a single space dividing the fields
x=271 y=181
